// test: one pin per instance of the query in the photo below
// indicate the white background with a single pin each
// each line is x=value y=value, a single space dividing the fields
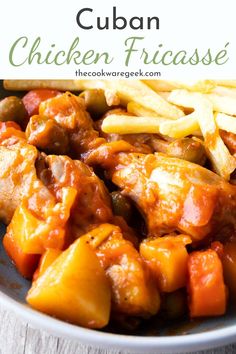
x=184 y=24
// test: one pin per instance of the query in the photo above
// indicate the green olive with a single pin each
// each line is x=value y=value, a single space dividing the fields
x=12 y=109
x=175 y=304
x=188 y=149
x=121 y=205
x=95 y=102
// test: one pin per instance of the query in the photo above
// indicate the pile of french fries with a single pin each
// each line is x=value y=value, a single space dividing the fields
x=174 y=109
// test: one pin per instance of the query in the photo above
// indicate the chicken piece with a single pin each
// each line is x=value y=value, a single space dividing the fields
x=172 y=194
x=10 y=133
x=133 y=290
x=47 y=135
x=75 y=124
x=18 y=177
x=38 y=219
x=92 y=204
x=39 y=178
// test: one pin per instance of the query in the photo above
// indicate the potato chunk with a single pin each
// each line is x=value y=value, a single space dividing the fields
x=74 y=288
x=167 y=257
x=46 y=260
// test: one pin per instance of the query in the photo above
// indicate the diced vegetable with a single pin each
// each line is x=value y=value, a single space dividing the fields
x=74 y=288
x=206 y=288
x=33 y=234
x=33 y=99
x=25 y=263
x=167 y=257
x=46 y=260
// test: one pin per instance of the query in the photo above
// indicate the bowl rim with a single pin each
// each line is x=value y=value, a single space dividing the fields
x=172 y=344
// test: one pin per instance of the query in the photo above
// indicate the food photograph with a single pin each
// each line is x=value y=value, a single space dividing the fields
x=118 y=211
x=118 y=177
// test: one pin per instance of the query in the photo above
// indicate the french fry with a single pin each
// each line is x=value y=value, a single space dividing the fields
x=225 y=91
x=61 y=85
x=121 y=124
x=140 y=111
x=23 y=85
x=137 y=91
x=150 y=122
x=181 y=127
x=223 y=163
x=191 y=85
x=222 y=104
x=112 y=98
x=226 y=122
x=227 y=83
x=161 y=85
x=164 y=95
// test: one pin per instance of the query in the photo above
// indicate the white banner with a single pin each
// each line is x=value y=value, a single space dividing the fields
x=88 y=39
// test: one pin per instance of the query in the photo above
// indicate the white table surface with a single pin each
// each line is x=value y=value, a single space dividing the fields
x=18 y=337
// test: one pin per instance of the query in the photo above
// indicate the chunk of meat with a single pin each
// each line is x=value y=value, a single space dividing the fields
x=133 y=289
x=171 y=193
x=47 y=135
x=92 y=204
x=69 y=112
x=41 y=180
x=17 y=176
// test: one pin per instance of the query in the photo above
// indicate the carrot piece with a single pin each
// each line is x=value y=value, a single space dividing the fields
x=33 y=99
x=206 y=288
x=25 y=263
